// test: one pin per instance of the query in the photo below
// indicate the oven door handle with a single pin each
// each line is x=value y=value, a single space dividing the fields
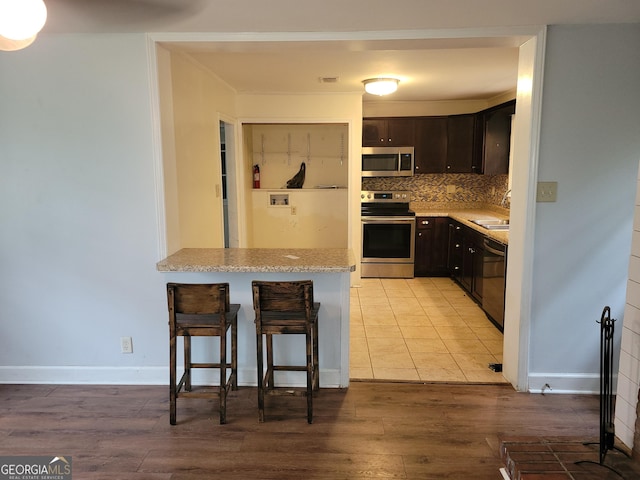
x=388 y=219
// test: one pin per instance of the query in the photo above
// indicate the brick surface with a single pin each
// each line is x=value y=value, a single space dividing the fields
x=562 y=458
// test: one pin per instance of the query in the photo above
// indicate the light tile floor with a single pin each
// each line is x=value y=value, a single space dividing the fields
x=421 y=329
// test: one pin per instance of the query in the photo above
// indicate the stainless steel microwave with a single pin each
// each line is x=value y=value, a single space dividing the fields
x=387 y=161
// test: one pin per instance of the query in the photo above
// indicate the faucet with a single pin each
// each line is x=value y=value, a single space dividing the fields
x=503 y=202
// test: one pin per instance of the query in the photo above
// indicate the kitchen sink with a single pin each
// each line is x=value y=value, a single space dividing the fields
x=492 y=223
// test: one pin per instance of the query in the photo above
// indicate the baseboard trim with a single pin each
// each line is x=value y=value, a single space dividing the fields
x=570 y=383
x=62 y=375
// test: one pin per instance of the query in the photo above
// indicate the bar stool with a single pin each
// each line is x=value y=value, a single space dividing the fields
x=202 y=310
x=286 y=308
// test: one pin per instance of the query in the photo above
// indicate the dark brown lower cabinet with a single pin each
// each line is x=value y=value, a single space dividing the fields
x=454 y=251
x=474 y=253
x=465 y=257
x=432 y=237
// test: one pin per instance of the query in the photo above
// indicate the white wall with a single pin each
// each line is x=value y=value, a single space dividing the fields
x=279 y=150
x=318 y=221
x=193 y=169
x=79 y=231
x=343 y=108
x=78 y=216
x=590 y=145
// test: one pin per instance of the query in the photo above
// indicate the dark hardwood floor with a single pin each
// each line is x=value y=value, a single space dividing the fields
x=371 y=430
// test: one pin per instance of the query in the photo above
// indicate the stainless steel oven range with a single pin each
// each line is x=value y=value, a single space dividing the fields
x=388 y=234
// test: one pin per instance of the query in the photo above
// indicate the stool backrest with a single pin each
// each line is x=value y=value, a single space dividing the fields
x=198 y=298
x=296 y=296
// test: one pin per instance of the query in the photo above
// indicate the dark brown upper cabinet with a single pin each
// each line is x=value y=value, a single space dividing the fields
x=388 y=132
x=468 y=143
x=495 y=127
x=460 y=137
x=430 y=144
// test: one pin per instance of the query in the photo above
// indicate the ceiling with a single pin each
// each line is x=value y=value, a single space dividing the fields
x=426 y=73
x=446 y=67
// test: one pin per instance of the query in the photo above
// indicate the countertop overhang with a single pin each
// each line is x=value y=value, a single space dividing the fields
x=269 y=260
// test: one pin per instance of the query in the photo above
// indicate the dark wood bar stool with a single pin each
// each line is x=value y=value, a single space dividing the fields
x=286 y=308
x=202 y=310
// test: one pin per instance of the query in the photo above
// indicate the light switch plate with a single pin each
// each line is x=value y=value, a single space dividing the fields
x=547 y=192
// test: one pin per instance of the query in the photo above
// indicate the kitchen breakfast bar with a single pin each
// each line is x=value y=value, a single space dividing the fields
x=328 y=268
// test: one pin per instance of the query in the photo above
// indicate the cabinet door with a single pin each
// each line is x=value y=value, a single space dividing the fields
x=440 y=246
x=497 y=138
x=468 y=250
x=478 y=268
x=460 y=135
x=400 y=132
x=430 y=144
x=431 y=246
x=454 y=252
x=472 y=262
x=374 y=132
x=388 y=132
x=424 y=245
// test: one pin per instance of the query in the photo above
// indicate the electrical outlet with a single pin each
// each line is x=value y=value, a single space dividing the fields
x=126 y=345
x=547 y=192
x=294 y=210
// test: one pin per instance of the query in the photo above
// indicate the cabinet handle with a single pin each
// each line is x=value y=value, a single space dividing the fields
x=471 y=250
x=457 y=245
x=419 y=234
x=425 y=222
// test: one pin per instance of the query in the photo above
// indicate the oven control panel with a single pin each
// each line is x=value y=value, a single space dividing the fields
x=387 y=196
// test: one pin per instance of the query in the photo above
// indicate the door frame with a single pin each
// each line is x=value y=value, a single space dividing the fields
x=526 y=141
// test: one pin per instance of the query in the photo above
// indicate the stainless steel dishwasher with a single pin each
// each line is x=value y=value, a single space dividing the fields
x=494 y=274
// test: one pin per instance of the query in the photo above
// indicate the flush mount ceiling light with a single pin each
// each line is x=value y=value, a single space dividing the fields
x=8 y=45
x=380 y=86
x=20 y=22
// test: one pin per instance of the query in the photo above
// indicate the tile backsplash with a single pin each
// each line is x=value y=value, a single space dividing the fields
x=469 y=188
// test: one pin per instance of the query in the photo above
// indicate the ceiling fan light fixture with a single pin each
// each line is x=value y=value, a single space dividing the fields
x=380 y=86
x=21 y=19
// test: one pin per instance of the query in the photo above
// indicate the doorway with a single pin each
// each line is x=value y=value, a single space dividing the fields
x=229 y=184
x=516 y=345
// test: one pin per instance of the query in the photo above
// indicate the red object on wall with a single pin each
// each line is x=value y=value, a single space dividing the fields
x=256 y=176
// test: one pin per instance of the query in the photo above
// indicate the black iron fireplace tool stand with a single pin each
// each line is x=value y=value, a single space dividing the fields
x=607 y=428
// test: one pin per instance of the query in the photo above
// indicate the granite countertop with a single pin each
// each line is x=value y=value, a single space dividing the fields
x=464 y=215
x=275 y=260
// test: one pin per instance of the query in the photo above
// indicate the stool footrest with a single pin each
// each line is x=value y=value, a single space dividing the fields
x=289 y=368
x=203 y=390
x=286 y=391
x=209 y=365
